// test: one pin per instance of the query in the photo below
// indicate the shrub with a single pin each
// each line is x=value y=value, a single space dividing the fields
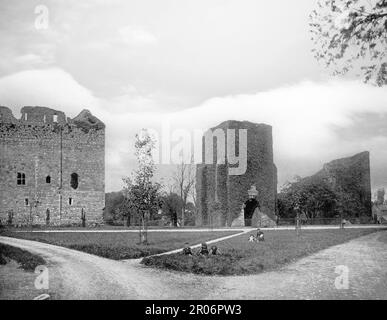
x=2 y=260
x=27 y=260
x=116 y=252
x=219 y=264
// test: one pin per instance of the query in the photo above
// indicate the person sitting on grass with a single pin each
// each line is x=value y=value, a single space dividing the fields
x=260 y=235
x=252 y=238
x=204 y=250
x=214 y=251
x=187 y=250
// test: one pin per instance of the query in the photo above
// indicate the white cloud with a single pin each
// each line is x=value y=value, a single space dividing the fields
x=29 y=60
x=48 y=87
x=136 y=36
x=304 y=117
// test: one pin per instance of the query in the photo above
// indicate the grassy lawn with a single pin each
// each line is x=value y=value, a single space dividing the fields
x=27 y=260
x=238 y=256
x=100 y=227
x=120 y=245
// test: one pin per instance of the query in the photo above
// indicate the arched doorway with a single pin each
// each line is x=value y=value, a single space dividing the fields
x=249 y=207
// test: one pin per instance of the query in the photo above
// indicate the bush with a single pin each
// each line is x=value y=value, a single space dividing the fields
x=116 y=252
x=218 y=264
x=27 y=260
x=2 y=260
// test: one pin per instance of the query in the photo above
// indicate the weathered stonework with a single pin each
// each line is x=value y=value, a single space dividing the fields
x=62 y=161
x=222 y=195
x=351 y=176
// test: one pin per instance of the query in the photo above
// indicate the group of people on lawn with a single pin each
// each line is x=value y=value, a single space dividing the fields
x=203 y=250
x=214 y=249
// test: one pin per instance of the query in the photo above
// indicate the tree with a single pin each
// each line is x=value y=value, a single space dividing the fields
x=185 y=181
x=141 y=193
x=171 y=206
x=314 y=196
x=352 y=35
x=113 y=203
x=190 y=214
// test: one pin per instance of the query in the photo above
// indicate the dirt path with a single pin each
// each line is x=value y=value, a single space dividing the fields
x=314 y=277
x=77 y=275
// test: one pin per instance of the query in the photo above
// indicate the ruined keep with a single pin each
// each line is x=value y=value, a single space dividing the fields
x=221 y=195
x=351 y=179
x=52 y=168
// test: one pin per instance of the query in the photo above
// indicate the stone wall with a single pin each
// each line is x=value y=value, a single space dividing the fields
x=48 y=148
x=221 y=195
x=351 y=177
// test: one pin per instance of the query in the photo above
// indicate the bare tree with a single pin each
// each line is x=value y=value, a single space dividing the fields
x=184 y=180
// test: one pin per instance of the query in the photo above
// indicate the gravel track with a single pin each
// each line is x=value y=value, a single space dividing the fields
x=78 y=275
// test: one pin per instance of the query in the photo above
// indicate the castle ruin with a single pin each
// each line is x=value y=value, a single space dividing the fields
x=221 y=195
x=52 y=168
x=351 y=178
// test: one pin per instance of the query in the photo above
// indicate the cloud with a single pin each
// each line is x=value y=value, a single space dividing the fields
x=47 y=87
x=306 y=119
x=313 y=122
x=31 y=59
x=131 y=100
x=302 y=115
x=136 y=36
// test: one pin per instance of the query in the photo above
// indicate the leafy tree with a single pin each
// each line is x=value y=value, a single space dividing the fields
x=171 y=206
x=314 y=196
x=141 y=193
x=190 y=214
x=113 y=203
x=352 y=35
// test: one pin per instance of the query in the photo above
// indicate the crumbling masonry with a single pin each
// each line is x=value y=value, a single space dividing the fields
x=51 y=167
x=351 y=177
x=221 y=195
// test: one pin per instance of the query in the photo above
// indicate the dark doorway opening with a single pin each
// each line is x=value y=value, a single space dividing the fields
x=249 y=208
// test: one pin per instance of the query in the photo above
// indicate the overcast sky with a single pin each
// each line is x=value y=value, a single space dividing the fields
x=138 y=64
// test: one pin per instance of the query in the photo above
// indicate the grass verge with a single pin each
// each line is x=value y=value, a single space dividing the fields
x=120 y=245
x=238 y=256
x=27 y=260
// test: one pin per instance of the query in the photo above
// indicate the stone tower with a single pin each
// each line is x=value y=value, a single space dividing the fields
x=220 y=194
x=51 y=167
